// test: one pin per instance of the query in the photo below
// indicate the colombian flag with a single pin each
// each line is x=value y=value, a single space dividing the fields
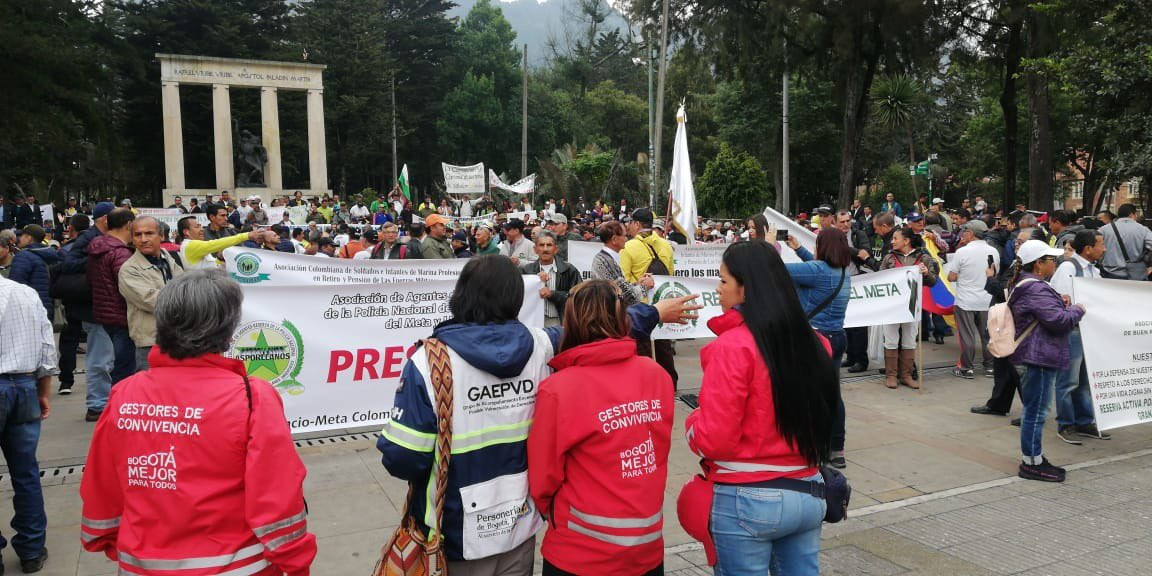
x=939 y=299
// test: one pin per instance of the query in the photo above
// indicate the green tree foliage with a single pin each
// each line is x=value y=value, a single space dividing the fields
x=733 y=185
x=470 y=124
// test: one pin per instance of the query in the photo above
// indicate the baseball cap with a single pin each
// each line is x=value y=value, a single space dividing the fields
x=126 y=202
x=914 y=217
x=824 y=209
x=371 y=234
x=558 y=219
x=434 y=219
x=35 y=231
x=642 y=215
x=1034 y=250
x=937 y=201
x=514 y=223
x=102 y=209
x=976 y=226
x=694 y=510
x=460 y=236
x=658 y=224
x=802 y=216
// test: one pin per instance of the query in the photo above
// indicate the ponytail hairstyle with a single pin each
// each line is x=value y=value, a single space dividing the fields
x=800 y=367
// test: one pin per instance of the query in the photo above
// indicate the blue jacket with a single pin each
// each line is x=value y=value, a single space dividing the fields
x=1047 y=345
x=815 y=281
x=489 y=460
x=30 y=267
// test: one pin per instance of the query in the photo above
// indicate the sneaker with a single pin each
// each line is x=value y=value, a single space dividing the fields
x=65 y=389
x=92 y=415
x=984 y=409
x=962 y=373
x=1044 y=472
x=1091 y=431
x=1016 y=422
x=989 y=373
x=838 y=462
x=34 y=564
x=1068 y=434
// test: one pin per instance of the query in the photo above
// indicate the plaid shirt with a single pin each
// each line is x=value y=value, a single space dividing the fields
x=27 y=344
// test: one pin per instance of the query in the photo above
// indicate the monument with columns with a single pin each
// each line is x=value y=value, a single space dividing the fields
x=222 y=74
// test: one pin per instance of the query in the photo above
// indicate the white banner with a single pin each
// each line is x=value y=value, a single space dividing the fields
x=525 y=185
x=524 y=215
x=464 y=179
x=269 y=268
x=171 y=220
x=158 y=212
x=1117 y=339
x=335 y=352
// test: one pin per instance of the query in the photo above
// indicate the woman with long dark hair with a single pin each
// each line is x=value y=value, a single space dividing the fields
x=824 y=286
x=598 y=448
x=767 y=405
x=900 y=340
x=758 y=228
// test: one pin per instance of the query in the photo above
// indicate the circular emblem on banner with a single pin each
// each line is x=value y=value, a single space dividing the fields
x=673 y=289
x=248 y=269
x=271 y=351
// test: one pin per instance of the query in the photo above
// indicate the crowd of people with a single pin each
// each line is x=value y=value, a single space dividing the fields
x=587 y=451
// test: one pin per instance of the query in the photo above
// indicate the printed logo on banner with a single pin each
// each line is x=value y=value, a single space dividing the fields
x=666 y=290
x=248 y=269
x=271 y=351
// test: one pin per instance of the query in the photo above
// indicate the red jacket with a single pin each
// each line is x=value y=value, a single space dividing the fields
x=598 y=459
x=185 y=479
x=734 y=429
x=105 y=257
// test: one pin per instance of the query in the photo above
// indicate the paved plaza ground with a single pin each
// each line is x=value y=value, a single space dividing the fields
x=935 y=490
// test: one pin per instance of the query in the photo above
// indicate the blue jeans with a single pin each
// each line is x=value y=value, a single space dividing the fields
x=124 y=352
x=98 y=365
x=19 y=436
x=839 y=341
x=1036 y=386
x=1073 y=396
x=763 y=530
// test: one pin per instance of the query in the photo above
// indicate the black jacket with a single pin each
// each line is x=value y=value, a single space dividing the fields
x=567 y=277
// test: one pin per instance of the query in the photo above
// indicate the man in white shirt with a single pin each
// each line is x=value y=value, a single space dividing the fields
x=1074 y=415
x=359 y=212
x=968 y=276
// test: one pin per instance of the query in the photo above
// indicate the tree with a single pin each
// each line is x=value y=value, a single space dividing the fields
x=733 y=186
x=473 y=124
x=898 y=102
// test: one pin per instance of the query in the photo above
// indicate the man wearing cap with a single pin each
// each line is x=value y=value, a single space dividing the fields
x=369 y=239
x=436 y=246
x=30 y=264
x=515 y=245
x=937 y=207
x=558 y=224
x=126 y=203
x=968 y=275
x=256 y=215
x=485 y=240
x=460 y=244
x=648 y=253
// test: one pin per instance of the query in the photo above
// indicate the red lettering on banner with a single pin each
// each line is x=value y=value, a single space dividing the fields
x=340 y=360
x=393 y=360
x=365 y=358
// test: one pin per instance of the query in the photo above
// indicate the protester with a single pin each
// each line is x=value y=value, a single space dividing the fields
x=8 y=251
x=558 y=276
x=647 y=253
x=1129 y=245
x=823 y=286
x=460 y=244
x=1006 y=381
x=389 y=248
x=29 y=262
x=758 y=228
x=891 y=206
x=1074 y=414
x=326 y=248
x=883 y=227
x=606 y=264
x=197 y=253
x=1043 y=323
x=486 y=242
x=141 y=279
x=558 y=224
x=767 y=405
x=515 y=246
x=27 y=365
x=108 y=254
x=226 y=496
x=856 y=339
x=604 y=519
x=967 y=274
x=900 y=340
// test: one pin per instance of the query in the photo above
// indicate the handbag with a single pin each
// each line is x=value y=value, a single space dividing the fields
x=837 y=493
x=409 y=552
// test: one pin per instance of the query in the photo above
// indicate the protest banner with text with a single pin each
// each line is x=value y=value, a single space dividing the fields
x=1117 y=338
x=464 y=179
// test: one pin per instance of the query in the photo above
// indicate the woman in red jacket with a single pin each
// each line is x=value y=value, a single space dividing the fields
x=598 y=447
x=765 y=420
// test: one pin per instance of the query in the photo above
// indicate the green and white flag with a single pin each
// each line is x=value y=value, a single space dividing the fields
x=403 y=182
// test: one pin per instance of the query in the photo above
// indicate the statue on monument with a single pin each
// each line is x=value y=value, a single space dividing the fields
x=251 y=158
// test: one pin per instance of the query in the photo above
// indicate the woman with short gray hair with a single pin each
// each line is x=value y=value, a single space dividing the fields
x=212 y=477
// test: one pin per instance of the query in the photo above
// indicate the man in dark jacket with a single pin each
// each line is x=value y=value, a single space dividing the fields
x=24 y=214
x=389 y=247
x=30 y=265
x=107 y=253
x=558 y=276
x=73 y=289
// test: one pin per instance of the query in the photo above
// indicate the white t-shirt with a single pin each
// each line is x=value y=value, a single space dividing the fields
x=340 y=239
x=1062 y=280
x=359 y=212
x=364 y=254
x=970 y=263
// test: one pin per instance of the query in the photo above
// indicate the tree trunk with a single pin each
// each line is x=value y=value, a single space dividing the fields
x=1010 y=111
x=859 y=81
x=1039 y=129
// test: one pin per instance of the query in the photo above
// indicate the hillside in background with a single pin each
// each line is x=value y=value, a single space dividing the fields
x=536 y=22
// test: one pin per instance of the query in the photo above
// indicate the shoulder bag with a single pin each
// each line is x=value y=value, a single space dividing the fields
x=830 y=297
x=409 y=552
x=1136 y=269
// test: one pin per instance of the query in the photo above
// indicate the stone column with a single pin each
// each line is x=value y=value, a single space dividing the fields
x=222 y=130
x=173 y=138
x=317 y=155
x=270 y=138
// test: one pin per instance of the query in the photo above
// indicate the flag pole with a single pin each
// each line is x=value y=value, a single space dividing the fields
x=524 y=119
x=395 y=174
x=661 y=75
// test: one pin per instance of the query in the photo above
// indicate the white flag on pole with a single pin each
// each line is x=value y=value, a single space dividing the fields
x=681 y=193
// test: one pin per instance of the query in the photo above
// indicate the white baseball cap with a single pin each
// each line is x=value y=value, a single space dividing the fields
x=1034 y=250
x=937 y=200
